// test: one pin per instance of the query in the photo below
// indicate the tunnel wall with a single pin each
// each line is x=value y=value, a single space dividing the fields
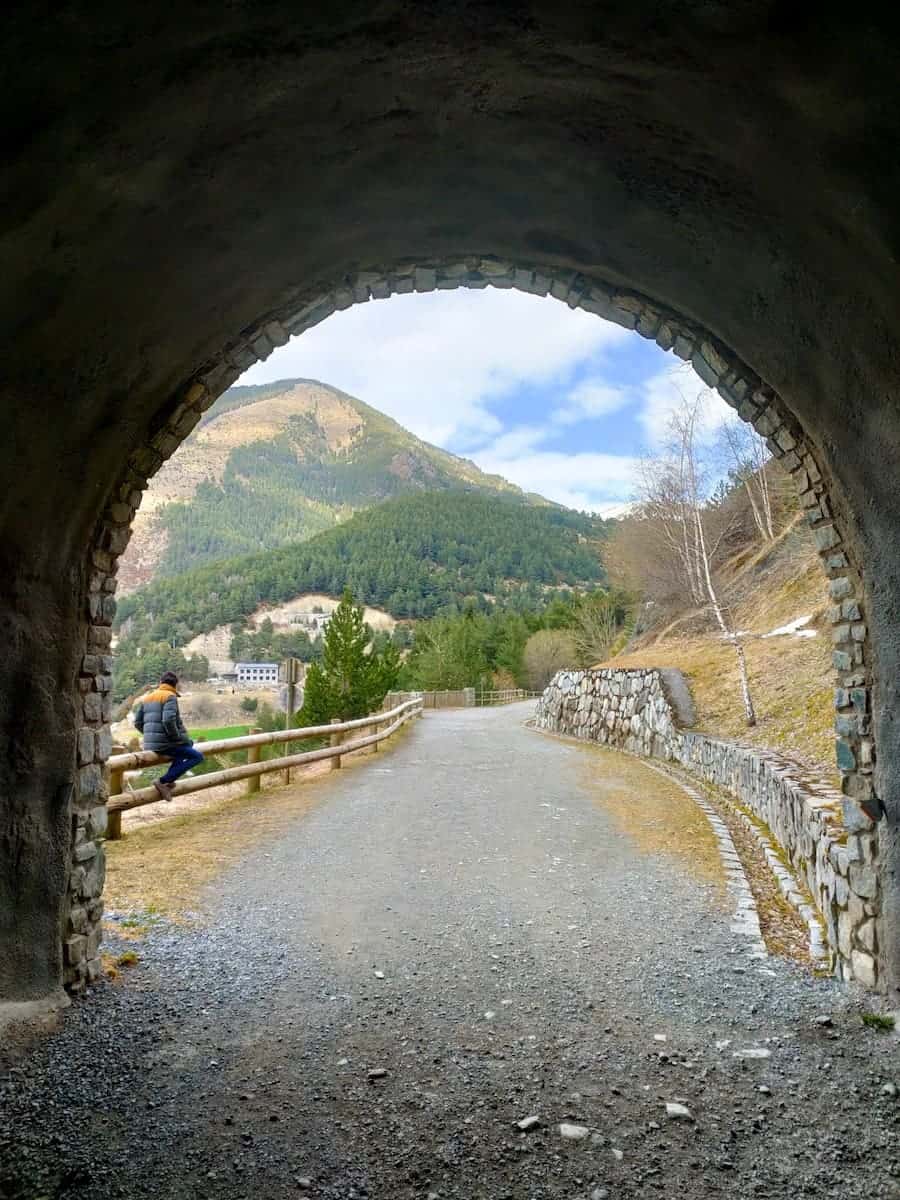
x=634 y=710
x=716 y=365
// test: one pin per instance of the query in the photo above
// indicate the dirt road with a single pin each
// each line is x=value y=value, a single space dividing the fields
x=482 y=927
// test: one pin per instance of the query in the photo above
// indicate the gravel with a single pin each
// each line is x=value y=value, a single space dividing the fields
x=239 y=1058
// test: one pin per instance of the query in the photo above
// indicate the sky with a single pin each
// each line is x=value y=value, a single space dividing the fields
x=558 y=401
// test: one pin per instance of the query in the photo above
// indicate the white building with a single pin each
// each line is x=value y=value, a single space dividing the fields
x=256 y=673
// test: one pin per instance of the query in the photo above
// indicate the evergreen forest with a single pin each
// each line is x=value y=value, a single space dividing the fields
x=415 y=556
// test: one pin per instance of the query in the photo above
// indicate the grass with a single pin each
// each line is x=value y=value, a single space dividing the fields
x=791 y=678
x=653 y=810
x=219 y=733
x=878 y=1021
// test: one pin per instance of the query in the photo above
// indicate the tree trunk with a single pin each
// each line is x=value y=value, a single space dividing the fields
x=754 y=507
x=730 y=634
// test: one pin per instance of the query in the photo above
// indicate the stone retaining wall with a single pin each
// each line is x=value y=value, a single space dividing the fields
x=831 y=847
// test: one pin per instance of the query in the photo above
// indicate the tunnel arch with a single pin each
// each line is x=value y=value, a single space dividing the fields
x=732 y=165
x=718 y=368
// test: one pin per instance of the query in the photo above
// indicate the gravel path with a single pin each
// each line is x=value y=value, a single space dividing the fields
x=482 y=926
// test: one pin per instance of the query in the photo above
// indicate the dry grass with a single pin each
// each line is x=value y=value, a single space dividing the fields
x=791 y=677
x=160 y=869
x=654 y=811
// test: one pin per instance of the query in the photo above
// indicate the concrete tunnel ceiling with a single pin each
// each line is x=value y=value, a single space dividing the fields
x=171 y=187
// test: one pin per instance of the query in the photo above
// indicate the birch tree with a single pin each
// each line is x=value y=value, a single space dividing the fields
x=676 y=486
x=748 y=457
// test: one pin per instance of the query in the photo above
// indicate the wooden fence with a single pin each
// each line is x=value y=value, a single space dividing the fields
x=505 y=696
x=122 y=800
x=466 y=697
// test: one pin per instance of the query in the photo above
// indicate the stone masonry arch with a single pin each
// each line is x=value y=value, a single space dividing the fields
x=719 y=369
x=718 y=178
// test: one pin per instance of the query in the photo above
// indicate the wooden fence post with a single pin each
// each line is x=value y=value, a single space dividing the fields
x=114 y=819
x=291 y=671
x=336 y=741
x=253 y=754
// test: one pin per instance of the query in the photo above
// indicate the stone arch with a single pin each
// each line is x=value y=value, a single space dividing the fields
x=166 y=190
x=718 y=367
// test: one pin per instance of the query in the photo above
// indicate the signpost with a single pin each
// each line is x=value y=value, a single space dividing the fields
x=290 y=673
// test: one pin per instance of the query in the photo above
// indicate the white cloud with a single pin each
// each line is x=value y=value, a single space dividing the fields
x=585 y=480
x=515 y=442
x=435 y=362
x=590 y=400
x=664 y=392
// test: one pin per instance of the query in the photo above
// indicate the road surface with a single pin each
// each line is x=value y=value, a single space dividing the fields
x=480 y=926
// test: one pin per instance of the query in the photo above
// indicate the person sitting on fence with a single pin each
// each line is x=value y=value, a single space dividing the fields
x=158 y=719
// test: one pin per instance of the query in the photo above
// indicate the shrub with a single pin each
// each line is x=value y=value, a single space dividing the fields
x=546 y=652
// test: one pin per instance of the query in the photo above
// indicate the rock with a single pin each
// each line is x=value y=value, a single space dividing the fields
x=303 y=1182
x=825 y=1021
x=752 y=1052
x=599 y=1194
x=890 y=1089
x=618 y=1155
x=377 y=1073
x=528 y=1123
x=379 y=974
x=864 y=970
x=678 y=1112
x=573 y=1133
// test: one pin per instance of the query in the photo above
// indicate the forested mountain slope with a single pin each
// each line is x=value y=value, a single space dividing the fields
x=279 y=463
x=413 y=556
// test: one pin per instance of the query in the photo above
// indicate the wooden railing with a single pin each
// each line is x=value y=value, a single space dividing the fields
x=504 y=696
x=122 y=800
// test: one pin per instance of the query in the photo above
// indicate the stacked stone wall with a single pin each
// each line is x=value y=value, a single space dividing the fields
x=832 y=848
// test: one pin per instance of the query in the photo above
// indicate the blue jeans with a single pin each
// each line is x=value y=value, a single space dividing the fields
x=183 y=759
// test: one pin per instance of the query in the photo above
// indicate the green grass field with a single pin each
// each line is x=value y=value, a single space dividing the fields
x=219 y=733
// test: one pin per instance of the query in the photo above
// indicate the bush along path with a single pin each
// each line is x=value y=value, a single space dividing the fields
x=493 y=964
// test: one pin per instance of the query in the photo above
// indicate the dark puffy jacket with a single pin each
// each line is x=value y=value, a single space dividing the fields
x=158 y=719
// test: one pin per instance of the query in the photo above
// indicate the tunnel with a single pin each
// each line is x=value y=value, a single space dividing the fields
x=186 y=189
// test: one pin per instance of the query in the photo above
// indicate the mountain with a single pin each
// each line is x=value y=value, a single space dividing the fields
x=276 y=464
x=413 y=556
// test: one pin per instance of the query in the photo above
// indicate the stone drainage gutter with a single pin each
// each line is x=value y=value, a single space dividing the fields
x=745 y=922
x=825 y=839
x=789 y=885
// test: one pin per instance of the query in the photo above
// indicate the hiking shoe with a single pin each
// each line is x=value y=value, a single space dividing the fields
x=165 y=789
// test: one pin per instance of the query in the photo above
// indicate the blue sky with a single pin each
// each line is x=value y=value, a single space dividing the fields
x=557 y=401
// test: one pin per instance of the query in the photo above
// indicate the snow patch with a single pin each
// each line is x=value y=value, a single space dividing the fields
x=793 y=628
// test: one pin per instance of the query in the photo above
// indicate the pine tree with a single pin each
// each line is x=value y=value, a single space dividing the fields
x=353 y=677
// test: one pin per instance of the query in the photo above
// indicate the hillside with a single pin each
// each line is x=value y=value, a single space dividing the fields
x=411 y=556
x=779 y=597
x=279 y=463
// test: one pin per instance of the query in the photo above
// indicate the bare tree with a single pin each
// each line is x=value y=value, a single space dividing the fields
x=676 y=487
x=749 y=456
x=664 y=502
x=546 y=652
x=596 y=628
